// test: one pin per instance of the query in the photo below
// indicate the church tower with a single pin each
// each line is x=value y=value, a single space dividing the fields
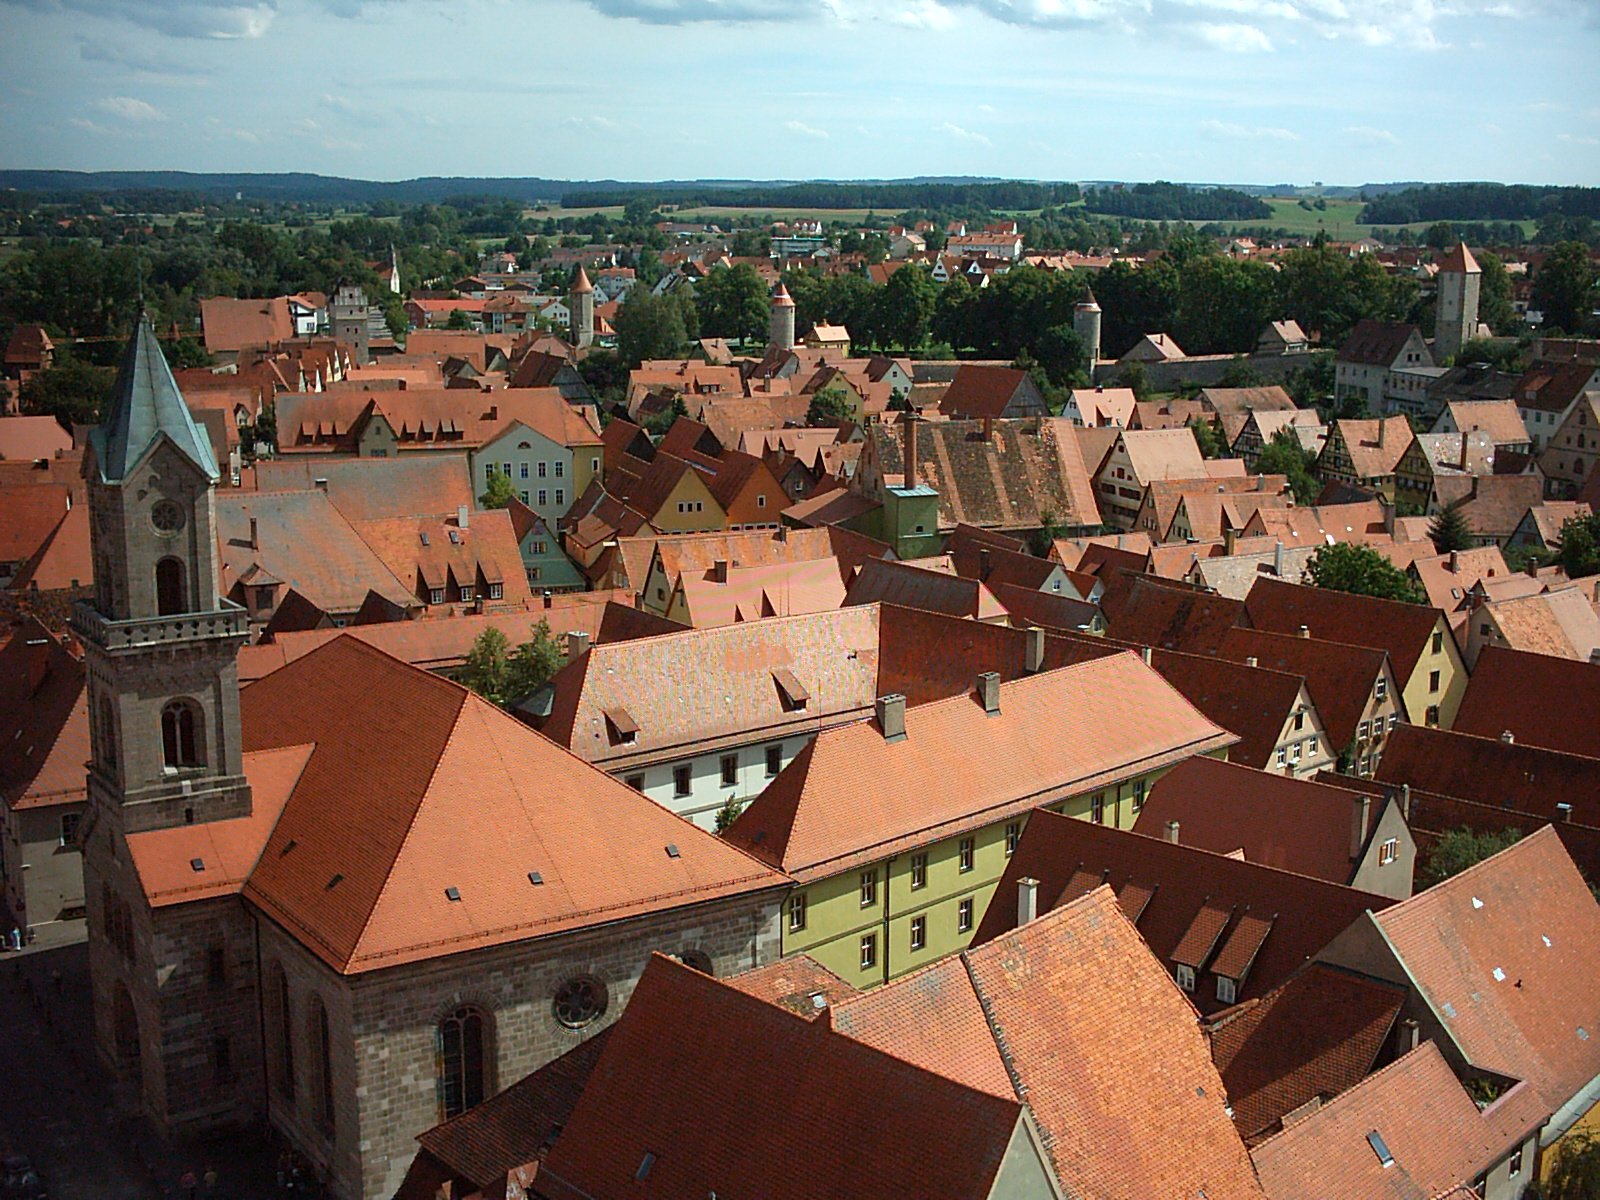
x=580 y=306
x=1455 y=320
x=782 y=334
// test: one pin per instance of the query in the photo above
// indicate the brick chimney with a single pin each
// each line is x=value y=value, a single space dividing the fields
x=1034 y=661
x=988 y=429
x=1027 y=900
x=1455 y=562
x=463 y=516
x=719 y=571
x=255 y=535
x=989 y=692
x=577 y=643
x=547 y=600
x=892 y=717
x=1170 y=833
x=911 y=423
x=983 y=562
x=1360 y=811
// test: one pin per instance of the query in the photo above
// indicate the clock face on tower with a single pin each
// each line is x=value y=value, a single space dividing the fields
x=166 y=517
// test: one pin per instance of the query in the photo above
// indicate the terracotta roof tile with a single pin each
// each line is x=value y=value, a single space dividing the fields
x=1404 y=630
x=28 y=516
x=365 y=489
x=1155 y=612
x=798 y=983
x=910 y=585
x=1375 y=343
x=28 y=439
x=1535 y=697
x=1340 y=677
x=44 y=720
x=64 y=561
x=1489 y=771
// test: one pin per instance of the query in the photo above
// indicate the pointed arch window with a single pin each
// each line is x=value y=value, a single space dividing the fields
x=182 y=743
x=108 y=734
x=322 y=1064
x=281 y=1022
x=171 y=597
x=463 y=1046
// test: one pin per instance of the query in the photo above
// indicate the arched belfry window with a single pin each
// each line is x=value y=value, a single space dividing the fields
x=463 y=1052
x=182 y=740
x=171 y=597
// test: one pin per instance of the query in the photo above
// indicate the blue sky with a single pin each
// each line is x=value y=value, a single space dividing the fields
x=1266 y=91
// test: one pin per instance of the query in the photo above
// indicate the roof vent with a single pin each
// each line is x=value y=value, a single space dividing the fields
x=424 y=536
x=672 y=850
x=645 y=1164
x=535 y=878
x=1583 y=1034
x=197 y=864
x=334 y=882
x=1380 y=1148
x=1499 y=975
x=452 y=894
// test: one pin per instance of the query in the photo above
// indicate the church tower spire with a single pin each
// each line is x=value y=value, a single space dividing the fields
x=159 y=641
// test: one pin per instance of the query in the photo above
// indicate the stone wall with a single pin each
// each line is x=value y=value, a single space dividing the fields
x=1205 y=370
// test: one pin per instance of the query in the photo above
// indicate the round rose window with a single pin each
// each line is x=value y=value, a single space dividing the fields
x=167 y=517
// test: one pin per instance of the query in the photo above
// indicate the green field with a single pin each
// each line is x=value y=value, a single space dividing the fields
x=717 y=212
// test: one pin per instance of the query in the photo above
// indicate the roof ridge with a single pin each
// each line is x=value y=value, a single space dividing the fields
x=1534 y=838
x=1410 y=1060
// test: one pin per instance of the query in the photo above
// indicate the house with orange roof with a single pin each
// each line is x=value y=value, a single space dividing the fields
x=1100 y=406
x=1499 y=964
x=897 y=829
x=1572 y=455
x=548 y=449
x=1546 y=393
x=230 y=325
x=451 y=563
x=29 y=439
x=979 y=391
x=1532 y=697
x=1136 y=458
x=1365 y=452
x=1559 y=621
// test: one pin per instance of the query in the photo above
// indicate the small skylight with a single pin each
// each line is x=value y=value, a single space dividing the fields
x=1476 y=903
x=197 y=864
x=452 y=893
x=424 y=537
x=1380 y=1148
x=1499 y=975
x=818 y=1000
x=1449 y=1009
x=535 y=878
x=1583 y=1034
x=672 y=850
x=645 y=1164
x=288 y=846
x=455 y=538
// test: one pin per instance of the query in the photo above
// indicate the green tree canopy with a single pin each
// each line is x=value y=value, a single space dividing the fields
x=72 y=391
x=1575 y=1170
x=499 y=493
x=1449 y=530
x=830 y=406
x=1459 y=849
x=1564 y=288
x=1346 y=567
x=1579 y=551
x=732 y=303
x=500 y=674
x=649 y=327
x=905 y=307
x=1284 y=455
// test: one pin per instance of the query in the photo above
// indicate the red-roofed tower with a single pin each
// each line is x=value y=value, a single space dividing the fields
x=1455 y=319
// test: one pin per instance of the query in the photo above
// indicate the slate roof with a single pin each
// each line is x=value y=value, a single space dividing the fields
x=415 y=785
x=1191 y=905
x=44 y=720
x=1315 y=1036
x=1124 y=1117
x=1404 y=630
x=851 y=797
x=1537 y=697
x=1340 y=677
x=658 y=1107
x=1432 y=1129
x=145 y=405
x=1292 y=824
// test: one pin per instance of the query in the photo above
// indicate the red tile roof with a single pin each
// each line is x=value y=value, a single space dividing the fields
x=656 y=1114
x=416 y=785
x=1534 y=696
x=28 y=439
x=1340 y=678
x=1176 y=884
x=1315 y=1036
x=28 y=516
x=1253 y=702
x=911 y=585
x=1375 y=343
x=44 y=720
x=1404 y=630
x=1490 y=771
x=1506 y=954
x=365 y=489
x=64 y=561
x=1173 y=616
x=981 y=391
x=850 y=796
x=231 y=325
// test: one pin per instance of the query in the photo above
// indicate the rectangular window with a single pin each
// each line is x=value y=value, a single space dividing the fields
x=1388 y=852
x=1138 y=794
x=1383 y=687
x=1364 y=730
x=1227 y=990
x=797 y=912
x=869 y=888
x=730 y=770
x=1433 y=681
x=636 y=782
x=495 y=591
x=869 y=951
x=561 y=469
x=506 y=468
x=1294 y=753
x=1013 y=836
x=594 y=465
x=522 y=470
x=466 y=592
x=544 y=470
x=1283 y=756
x=919 y=932
x=561 y=496
x=523 y=496
x=1438 y=641
x=919 y=871
x=774 y=760
x=1299 y=718
x=544 y=497
x=1433 y=716
x=964 y=916
x=1514 y=1163
x=1394 y=719
x=680 y=781
x=1097 y=808
x=1184 y=974
x=69 y=828
x=964 y=854
x=435 y=595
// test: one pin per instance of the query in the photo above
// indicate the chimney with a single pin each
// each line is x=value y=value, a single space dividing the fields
x=1455 y=562
x=255 y=537
x=1170 y=833
x=1564 y=811
x=1594 y=655
x=719 y=571
x=892 y=717
x=1027 y=900
x=1405 y=801
x=1463 y=450
x=1146 y=653
x=1410 y=1034
x=1508 y=737
x=989 y=692
x=911 y=450
x=1383 y=429
x=1305 y=631
x=577 y=643
x=1359 y=812
x=547 y=597
x=463 y=516
x=1533 y=572
x=988 y=429
x=1251 y=661
x=983 y=562
x=1119 y=541
x=1277 y=558
x=1034 y=662
x=1261 y=483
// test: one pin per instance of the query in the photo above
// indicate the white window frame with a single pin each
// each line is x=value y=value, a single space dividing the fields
x=1227 y=990
x=869 y=888
x=1183 y=974
x=1388 y=852
x=966 y=853
x=919 y=932
x=964 y=915
x=869 y=951
x=797 y=912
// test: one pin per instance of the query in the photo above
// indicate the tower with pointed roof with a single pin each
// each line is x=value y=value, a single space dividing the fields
x=1455 y=320
x=160 y=647
x=580 y=306
x=782 y=335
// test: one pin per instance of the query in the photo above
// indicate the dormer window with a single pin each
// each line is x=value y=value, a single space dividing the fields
x=495 y=591
x=435 y=595
x=466 y=592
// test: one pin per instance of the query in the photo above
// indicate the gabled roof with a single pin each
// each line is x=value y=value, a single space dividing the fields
x=1208 y=911
x=1339 y=676
x=655 y=1115
x=1410 y=1131
x=1506 y=954
x=981 y=391
x=64 y=561
x=28 y=439
x=1317 y=1035
x=364 y=489
x=1124 y=1092
x=851 y=796
x=145 y=405
x=1292 y=824
x=1163 y=454
x=1271 y=398
x=1491 y=771
x=1376 y=343
x=29 y=514
x=1253 y=702
x=231 y=324
x=1498 y=418
x=1375 y=446
x=1559 y=622
x=910 y=585
x=1535 y=697
x=1404 y=630
x=1158 y=612
x=415 y=785
x=44 y=720
x=1459 y=260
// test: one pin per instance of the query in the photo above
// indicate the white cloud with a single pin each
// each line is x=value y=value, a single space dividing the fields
x=965 y=135
x=804 y=130
x=87 y=125
x=130 y=109
x=593 y=121
x=1257 y=133
x=1576 y=139
x=926 y=14
x=1234 y=39
x=1367 y=135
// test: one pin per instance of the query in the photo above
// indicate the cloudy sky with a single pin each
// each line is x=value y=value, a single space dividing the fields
x=1343 y=91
